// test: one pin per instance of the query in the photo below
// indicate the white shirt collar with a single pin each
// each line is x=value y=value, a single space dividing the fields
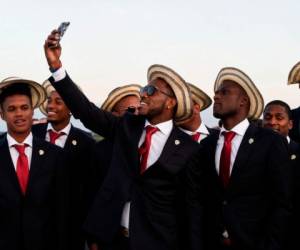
x=239 y=129
x=201 y=129
x=11 y=141
x=65 y=130
x=164 y=127
x=288 y=139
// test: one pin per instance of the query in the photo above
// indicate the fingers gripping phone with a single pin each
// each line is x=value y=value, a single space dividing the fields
x=62 y=28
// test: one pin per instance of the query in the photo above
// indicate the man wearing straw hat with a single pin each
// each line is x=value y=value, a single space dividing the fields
x=137 y=208
x=194 y=125
x=78 y=145
x=32 y=178
x=246 y=181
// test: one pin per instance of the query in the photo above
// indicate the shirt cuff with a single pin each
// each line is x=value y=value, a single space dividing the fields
x=59 y=74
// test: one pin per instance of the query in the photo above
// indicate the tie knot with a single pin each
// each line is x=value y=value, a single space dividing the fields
x=20 y=148
x=228 y=135
x=151 y=130
x=54 y=135
x=196 y=136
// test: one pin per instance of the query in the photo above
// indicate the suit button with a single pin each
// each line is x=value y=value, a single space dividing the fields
x=225 y=203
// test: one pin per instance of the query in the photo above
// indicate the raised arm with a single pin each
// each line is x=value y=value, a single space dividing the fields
x=97 y=120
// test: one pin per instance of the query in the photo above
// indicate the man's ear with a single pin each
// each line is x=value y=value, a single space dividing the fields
x=291 y=124
x=2 y=115
x=197 y=107
x=171 y=103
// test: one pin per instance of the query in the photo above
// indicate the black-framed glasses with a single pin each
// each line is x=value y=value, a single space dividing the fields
x=131 y=109
x=151 y=89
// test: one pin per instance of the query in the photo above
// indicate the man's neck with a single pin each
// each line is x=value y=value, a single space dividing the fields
x=19 y=137
x=59 y=126
x=231 y=122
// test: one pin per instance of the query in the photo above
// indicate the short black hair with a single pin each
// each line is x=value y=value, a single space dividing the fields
x=282 y=104
x=15 y=89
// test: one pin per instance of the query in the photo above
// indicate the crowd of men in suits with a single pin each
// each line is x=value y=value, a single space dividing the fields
x=160 y=179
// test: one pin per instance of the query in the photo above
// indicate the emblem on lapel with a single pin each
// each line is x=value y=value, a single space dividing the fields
x=251 y=140
x=74 y=142
x=41 y=152
x=293 y=157
x=177 y=142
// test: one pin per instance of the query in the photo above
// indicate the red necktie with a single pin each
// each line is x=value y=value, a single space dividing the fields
x=54 y=135
x=196 y=136
x=144 y=149
x=225 y=157
x=22 y=167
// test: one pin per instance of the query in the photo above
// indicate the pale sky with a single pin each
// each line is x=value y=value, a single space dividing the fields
x=112 y=43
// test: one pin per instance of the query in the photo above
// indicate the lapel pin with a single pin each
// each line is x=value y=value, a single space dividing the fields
x=177 y=142
x=41 y=152
x=251 y=140
x=293 y=157
x=74 y=142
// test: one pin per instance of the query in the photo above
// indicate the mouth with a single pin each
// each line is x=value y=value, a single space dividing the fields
x=20 y=122
x=51 y=113
x=143 y=104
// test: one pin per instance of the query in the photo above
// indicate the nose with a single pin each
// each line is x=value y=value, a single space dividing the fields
x=216 y=96
x=143 y=94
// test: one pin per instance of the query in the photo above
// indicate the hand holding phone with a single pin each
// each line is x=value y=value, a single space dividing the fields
x=62 y=28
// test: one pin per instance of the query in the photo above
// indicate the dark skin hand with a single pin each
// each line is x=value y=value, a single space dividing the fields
x=52 y=50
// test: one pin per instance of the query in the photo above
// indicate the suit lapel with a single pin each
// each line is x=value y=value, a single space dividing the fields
x=7 y=164
x=133 y=130
x=37 y=159
x=173 y=143
x=211 y=146
x=243 y=153
x=71 y=141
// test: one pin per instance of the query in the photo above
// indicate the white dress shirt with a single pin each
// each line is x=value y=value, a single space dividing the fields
x=59 y=74
x=158 y=141
x=202 y=130
x=13 y=151
x=60 y=141
x=240 y=130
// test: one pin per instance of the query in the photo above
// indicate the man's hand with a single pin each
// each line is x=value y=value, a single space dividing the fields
x=94 y=246
x=53 y=50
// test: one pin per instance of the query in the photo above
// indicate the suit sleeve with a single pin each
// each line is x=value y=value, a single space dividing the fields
x=195 y=201
x=279 y=183
x=95 y=119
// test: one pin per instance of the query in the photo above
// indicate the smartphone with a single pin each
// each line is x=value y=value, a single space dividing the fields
x=62 y=28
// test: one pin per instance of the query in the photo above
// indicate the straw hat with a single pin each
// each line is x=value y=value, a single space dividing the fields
x=49 y=89
x=119 y=93
x=199 y=97
x=38 y=94
x=294 y=75
x=179 y=87
x=239 y=77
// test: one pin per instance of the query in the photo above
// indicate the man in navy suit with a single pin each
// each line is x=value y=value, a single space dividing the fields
x=78 y=146
x=136 y=207
x=32 y=175
x=277 y=116
x=243 y=191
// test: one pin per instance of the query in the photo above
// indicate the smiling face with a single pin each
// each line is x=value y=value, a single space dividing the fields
x=17 y=111
x=276 y=117
x=160 y=106
x=58 y=113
